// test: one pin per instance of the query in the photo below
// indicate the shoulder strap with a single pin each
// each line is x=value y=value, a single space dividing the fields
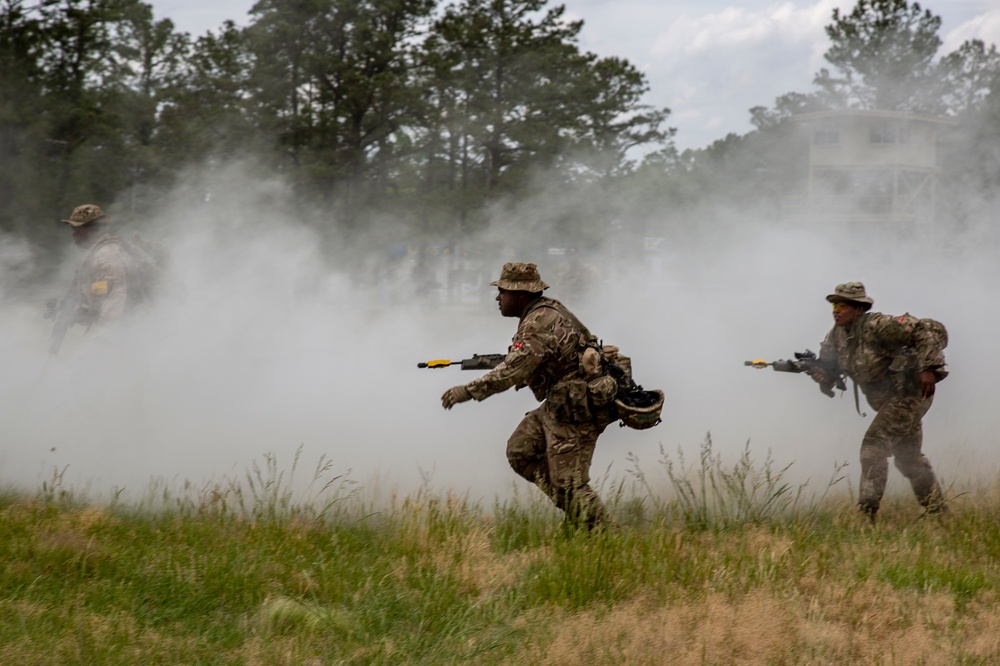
x=543 y=302
x=857 y=401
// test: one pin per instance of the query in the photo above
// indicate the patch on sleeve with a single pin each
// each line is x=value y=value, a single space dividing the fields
x=519 y=345
x=99 y=288
x=901 y=319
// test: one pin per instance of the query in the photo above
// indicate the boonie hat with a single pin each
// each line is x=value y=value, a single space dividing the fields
x=85 y=214
x=851 y=292
x=520 y=276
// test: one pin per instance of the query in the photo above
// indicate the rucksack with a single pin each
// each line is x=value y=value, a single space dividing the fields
x=151 y=261
x=940 y=335
x=937 y=330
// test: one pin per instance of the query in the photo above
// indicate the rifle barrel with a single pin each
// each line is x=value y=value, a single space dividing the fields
x=439 y=363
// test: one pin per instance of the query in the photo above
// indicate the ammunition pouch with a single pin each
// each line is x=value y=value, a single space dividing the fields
x=602 y=392
x=569 y=401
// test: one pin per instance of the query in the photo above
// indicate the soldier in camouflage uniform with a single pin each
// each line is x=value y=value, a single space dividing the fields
x=100 y=295
x=554 y=444
x=896 y=361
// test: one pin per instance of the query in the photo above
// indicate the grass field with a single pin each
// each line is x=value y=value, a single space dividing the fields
x=728 y=564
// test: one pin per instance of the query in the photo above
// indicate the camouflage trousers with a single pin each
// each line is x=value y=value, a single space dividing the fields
x=896 y=431
x=556 y=457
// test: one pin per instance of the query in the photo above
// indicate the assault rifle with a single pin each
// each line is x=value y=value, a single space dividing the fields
x=804 y=362
x=477 y=362
x=64 y=314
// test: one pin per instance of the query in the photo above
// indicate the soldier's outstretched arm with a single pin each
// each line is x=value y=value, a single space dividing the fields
x=455 y=395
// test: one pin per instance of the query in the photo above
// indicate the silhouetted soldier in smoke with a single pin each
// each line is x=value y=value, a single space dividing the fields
x=104 y=288
x=553 y=446
x=896 y=361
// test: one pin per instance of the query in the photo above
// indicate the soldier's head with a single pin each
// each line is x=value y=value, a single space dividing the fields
x=519 y=285
x=849 y=300
x=88 y=223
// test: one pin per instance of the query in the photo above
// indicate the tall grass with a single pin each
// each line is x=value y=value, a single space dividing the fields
x=713 y=494
x=729 y=563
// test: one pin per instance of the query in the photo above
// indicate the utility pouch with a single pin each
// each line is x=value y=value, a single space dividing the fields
x=568 y=401
x=904 y=373
x=602 y=391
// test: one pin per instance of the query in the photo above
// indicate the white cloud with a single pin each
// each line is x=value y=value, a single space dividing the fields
x=985 y=27
x=741 y=28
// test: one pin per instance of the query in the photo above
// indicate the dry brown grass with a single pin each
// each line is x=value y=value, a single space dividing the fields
x=867 y=625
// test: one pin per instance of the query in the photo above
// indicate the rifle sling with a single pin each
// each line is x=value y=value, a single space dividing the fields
x=857 y=401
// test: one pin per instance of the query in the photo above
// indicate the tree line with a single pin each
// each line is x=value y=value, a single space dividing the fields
x=363 y=105
x=427 y=111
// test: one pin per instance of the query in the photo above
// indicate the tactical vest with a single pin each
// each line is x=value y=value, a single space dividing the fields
x=576 y=385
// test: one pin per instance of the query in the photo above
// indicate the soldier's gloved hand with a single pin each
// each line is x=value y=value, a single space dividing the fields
x=50 y=308
x=455 y=395
x=927 y=383
x=819 y=376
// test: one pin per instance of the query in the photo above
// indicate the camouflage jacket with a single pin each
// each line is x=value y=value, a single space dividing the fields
x=102 y=284
x=884 y=353
x=545 y=350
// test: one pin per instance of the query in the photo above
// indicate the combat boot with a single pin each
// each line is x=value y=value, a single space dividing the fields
x=937 y=508
x=933 y=502
x=869 y=510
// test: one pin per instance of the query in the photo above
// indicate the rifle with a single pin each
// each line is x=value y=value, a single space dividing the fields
x=65 y=316
x=477 y=362
x=804 y=362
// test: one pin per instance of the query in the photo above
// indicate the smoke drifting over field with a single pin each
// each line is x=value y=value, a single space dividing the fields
x=266 y=347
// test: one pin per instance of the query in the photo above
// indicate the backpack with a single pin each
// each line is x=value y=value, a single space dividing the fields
x=940 y=335
x=937 y=330
x=151 y=261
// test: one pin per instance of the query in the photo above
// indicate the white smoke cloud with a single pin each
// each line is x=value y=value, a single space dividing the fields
x=269 y=348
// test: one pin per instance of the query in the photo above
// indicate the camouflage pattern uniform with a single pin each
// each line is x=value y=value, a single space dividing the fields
x=102 y=284
x=102 y=281
x=884 y=355
x=554 y=444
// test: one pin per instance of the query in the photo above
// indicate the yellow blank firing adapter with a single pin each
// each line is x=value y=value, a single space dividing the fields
x=439 y=363
x=757 y=363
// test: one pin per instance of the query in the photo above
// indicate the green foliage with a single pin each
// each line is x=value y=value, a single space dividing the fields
x=433 y=580
x=428 y=117
x=883 y=53
x=365 y=108
x=522 y=525
x=712 y=495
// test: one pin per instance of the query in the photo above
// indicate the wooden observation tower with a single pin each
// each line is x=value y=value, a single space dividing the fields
x=874 y=168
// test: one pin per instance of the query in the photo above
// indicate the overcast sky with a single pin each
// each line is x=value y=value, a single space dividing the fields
x=709 y=61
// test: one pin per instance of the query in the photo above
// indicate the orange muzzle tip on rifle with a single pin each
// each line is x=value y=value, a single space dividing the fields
x=758 y=363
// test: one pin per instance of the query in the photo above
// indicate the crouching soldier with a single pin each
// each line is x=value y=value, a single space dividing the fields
x=554 y=444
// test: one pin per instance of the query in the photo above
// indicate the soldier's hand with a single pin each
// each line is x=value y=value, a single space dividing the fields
x=819 y=376
x=50 y=308
x=455 y=395
x=927 y=383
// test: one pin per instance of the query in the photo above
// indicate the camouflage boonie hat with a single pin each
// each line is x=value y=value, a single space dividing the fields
x=851 y=292
x=519 y=276
x=85 y=214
